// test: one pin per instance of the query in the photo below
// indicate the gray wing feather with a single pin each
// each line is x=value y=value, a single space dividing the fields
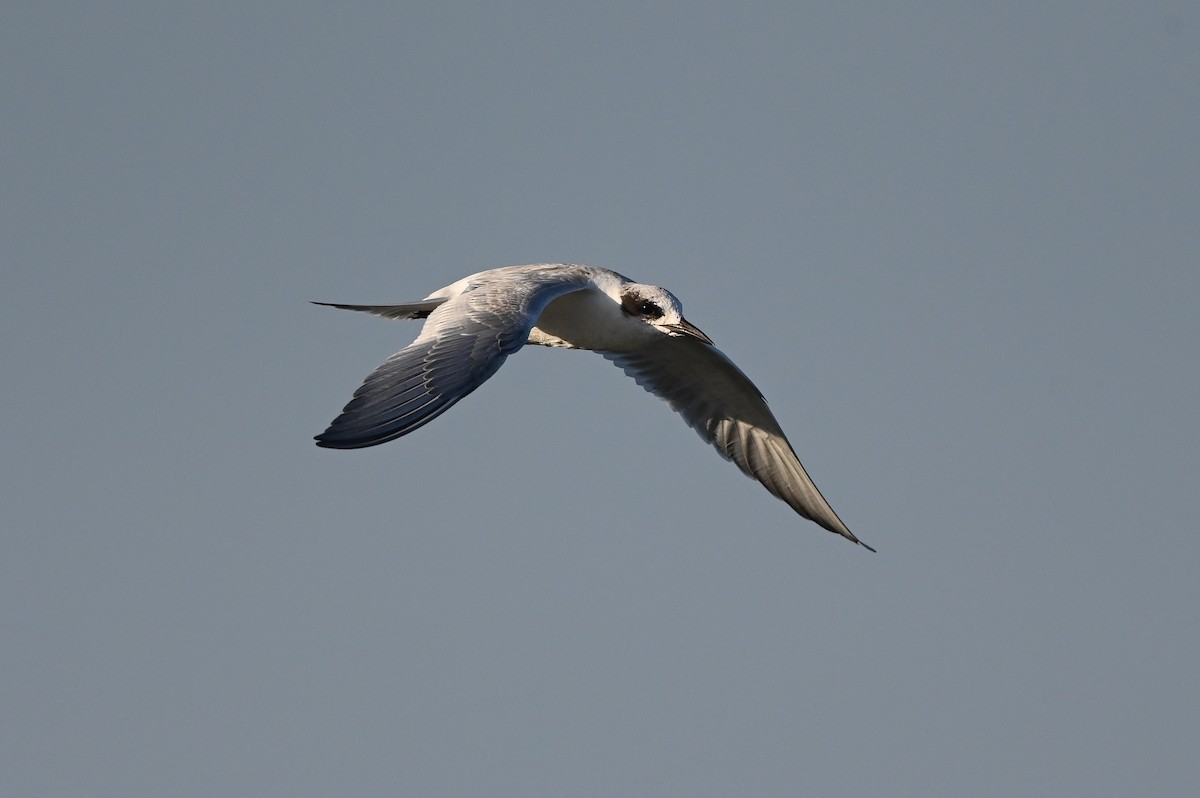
x=412 y=388
x=717 y=400
x=465 y=340
x=409 y=310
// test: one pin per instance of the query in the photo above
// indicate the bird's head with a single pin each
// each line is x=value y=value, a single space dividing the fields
x=658 y=308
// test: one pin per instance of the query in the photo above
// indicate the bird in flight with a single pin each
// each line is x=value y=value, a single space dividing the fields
x=472 y=325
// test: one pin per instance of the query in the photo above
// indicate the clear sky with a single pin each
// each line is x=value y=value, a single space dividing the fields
x=956 y=246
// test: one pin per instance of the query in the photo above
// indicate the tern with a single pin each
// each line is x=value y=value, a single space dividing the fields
x=472 y=325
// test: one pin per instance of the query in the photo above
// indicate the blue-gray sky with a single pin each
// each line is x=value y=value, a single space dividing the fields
x=957 y=247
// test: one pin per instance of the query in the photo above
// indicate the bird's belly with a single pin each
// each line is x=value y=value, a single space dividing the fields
x=581 y=320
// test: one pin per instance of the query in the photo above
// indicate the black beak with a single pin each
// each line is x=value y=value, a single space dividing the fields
x=685 y=327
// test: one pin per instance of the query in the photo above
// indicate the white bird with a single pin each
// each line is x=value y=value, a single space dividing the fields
x=472 y=325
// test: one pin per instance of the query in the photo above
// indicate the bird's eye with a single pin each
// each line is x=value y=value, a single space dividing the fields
x=649 y=309
x=641 y=307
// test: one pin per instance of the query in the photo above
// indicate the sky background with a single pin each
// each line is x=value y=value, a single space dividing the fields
x=957 y=247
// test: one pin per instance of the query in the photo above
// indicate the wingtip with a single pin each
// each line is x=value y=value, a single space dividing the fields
x=330 y=440
x=326 y=441
x=865 y=546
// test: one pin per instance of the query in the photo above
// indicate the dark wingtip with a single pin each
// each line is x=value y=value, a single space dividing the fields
x=865 y=546
x=327 y=441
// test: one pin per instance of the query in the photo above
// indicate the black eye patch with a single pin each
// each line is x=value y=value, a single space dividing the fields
x=641 y=307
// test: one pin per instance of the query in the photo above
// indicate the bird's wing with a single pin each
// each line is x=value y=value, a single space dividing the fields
x=718 y=401
x=465 y=339
x=409 y=310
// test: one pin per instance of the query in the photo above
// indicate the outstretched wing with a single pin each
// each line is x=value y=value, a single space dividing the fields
x=718 y=401
x=465 y=339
